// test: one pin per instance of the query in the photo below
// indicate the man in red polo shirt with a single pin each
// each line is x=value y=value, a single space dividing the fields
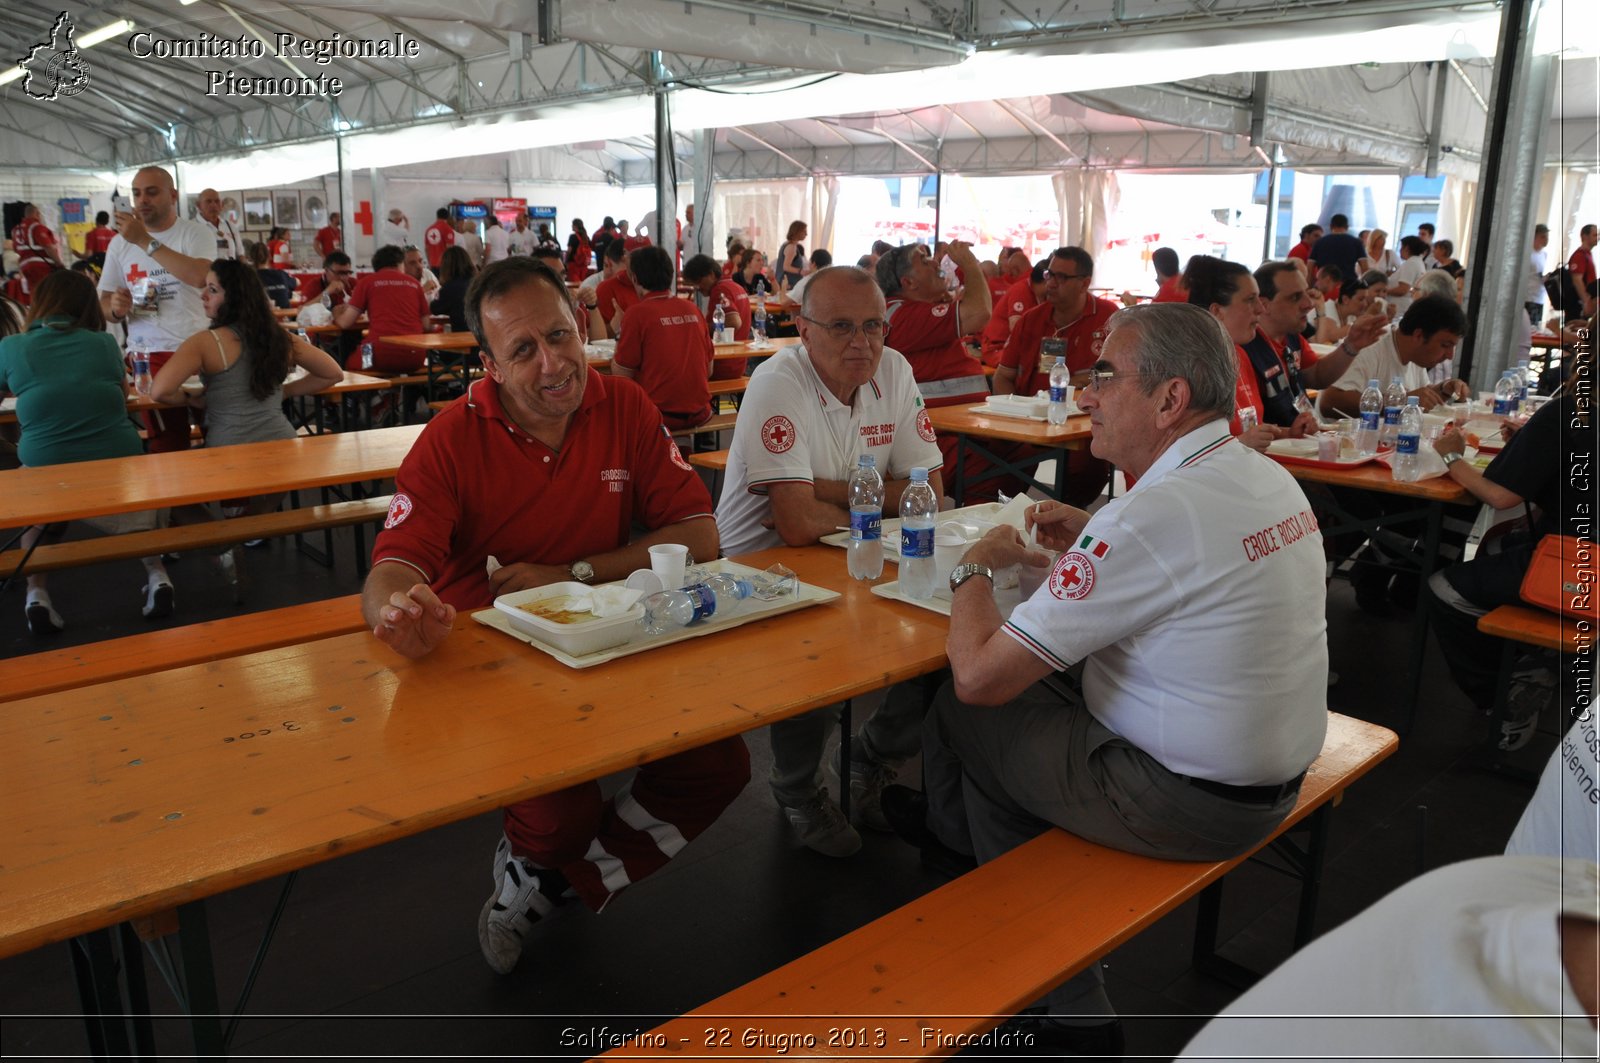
x=1581 y=266
x=665 y=344
x=98 y=239
x=615 y=294
x=36 y=250
x=1309 y=234
x=329 y=239
x=1070 y=322
x=1018 y=299
x=438 y=237
x=394 y=305
x=705 y=276
x=539 y=476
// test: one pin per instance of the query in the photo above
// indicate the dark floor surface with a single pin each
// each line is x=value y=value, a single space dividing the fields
x=377 y=956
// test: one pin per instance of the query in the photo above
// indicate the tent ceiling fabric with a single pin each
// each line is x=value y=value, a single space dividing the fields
x=1075 y=73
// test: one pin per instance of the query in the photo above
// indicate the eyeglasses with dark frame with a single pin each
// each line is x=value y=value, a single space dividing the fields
x=1051 y=274
x=1103 y=373
x=845 y=331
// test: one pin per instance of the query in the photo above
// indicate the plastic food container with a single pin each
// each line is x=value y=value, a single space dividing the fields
x=1029 y=405
x=576 y=634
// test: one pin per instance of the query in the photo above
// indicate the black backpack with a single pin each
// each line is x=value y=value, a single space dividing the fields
x=1563 y=290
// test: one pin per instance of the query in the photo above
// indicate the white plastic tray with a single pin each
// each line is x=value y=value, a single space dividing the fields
x=993 y=410
x=891 y=527
x=1006 y=599
x=747 y=610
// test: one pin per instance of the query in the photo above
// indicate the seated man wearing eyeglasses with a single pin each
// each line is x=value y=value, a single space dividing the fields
x=810 y=412
x=1164 y=738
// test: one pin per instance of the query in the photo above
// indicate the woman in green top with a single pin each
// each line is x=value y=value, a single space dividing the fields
x=67 y=374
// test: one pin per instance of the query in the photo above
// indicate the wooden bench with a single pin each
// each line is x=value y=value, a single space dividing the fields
x=732 y=386
x=1533 y=627
x=994 y=940
x=101 y=662
x=715 y=460
x=176 y=539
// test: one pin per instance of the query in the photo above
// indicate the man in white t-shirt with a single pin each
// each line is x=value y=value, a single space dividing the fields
x=155 y=268
x=809 y=414
x=1182 y=743
x=228 y=243
x=1563 y=819
x=521 y=240
x=468 y=239
x=1484 y=959
x=397 y=229
x=496 y=241
x=1538 y=264
x=1426 y=335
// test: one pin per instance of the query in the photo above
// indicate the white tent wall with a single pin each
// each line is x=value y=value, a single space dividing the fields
x=760 y=211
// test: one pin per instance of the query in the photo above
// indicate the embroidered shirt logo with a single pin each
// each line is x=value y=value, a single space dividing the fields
x=777 y=435
x=399 y=510
x=1073 y=576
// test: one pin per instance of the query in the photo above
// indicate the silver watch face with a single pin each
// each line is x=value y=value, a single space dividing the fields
x=582 y=571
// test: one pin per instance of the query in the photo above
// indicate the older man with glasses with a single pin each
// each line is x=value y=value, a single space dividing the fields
x=1120 y=701
x=810 y=413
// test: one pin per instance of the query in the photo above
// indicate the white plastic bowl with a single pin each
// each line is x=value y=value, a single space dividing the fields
x=577 y=638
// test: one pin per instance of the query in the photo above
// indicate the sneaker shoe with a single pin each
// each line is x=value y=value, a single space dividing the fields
x=232 y=565
x=1530 y=692
x=867 y=780
x=523 y=894
x=821 y=827
x=158 y=598
x=42 y=616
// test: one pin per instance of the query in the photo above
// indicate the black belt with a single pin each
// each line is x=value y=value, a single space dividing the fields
x=1254 y=795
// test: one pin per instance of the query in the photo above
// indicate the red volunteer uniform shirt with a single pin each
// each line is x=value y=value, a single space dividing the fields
x=1015 y=301
x=452 y=508
x=1582 y=266
x=1081 y=342
x=665 y=342
x=30 y=239
x=1245 y=396
x=279 y=252
x=436 y=238
x=96 y=240
x=929 y=335
x=734 y=300
x=615 y=293
x=1169 y=292
x=327 y=241
x=394 y=306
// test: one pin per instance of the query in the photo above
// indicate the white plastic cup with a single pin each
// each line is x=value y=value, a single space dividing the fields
x=949 y=543
x=667 y=561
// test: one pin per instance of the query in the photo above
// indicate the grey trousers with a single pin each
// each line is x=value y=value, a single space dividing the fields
x=997 y=777
x=889 y=736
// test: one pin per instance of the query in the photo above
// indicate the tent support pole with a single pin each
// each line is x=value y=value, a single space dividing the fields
x=666 y=237
x=1274 y=194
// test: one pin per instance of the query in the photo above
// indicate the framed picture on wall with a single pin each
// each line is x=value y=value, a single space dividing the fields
x=191 y=209
x=313 y=209
x=257 y=210
x=232 y=211
x=286 y=209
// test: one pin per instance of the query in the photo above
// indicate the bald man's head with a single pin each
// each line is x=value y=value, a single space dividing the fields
x=155 y=198
x=210 y=205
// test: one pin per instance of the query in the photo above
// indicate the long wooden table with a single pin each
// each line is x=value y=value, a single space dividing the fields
x=1430 y=498
x=1051 y=441
x=133 y=798
x=350 y=384
x=151 y=481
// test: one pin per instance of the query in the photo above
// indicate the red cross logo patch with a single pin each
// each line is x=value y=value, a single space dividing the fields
x=1073 y=576
x=135 y=274
x=924 y=425
x=399 y=510
x=677 y=455
x=777 y=435
x=940 y=309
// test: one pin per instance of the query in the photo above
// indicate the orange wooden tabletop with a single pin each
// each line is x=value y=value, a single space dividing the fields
x=149 y=481
x=1375 y=476
x=436 y=341
x=742 y=349
x=132 y=797
x=962 y=420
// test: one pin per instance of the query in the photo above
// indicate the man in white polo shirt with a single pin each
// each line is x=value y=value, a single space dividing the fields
x=210 y=207
x=810 y=412
x=1426 y=335
x=1182 y=742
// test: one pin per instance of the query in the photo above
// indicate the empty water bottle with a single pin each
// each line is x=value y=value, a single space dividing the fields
x=1408 y=442
x=1371 y=411
x=1394 y=400
x=918 y=504
x=667 y=610
x=1505 y=394
x=719 y=325
x=865 y=493
x=141 y=366
x=1060 y=379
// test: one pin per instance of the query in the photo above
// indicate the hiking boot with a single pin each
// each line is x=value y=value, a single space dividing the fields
x=821 y=827
x=867 y=780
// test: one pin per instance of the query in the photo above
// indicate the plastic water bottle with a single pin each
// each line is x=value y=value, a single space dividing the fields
x=1371 y=410
x=1505 y=394
x=1407 y=460
x=141 y=366
x=1523 y=384
x=366 y=354
x=947 y=270
x=719 y=325
x=758 y=324
x=918 y=504
x=865 y=493
x=667 y=610
x=1394 y=400
x=1060 y=378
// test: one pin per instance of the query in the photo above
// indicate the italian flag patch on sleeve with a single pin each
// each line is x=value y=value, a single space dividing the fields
x=1094 y=547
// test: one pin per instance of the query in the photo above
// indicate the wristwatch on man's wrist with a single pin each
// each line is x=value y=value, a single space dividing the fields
x=582 y=571
x=965 y=571
x=152 y=247
x=1451 y=458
